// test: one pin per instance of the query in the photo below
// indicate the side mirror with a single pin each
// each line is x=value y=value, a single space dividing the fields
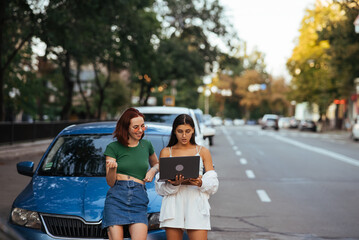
x=25 y=168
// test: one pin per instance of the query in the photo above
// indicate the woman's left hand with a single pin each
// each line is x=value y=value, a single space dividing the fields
x=196 y=181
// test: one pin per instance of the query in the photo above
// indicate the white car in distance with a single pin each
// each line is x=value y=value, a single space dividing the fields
x=166 y=115
x=208 y=132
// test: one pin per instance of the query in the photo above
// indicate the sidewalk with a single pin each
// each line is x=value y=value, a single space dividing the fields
x=23 y=151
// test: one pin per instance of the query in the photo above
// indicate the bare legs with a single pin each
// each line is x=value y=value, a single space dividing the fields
x=138 y=231
x=177 y=234
x=115 y=232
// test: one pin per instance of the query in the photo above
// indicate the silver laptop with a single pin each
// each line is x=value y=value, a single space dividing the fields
x=188 y=166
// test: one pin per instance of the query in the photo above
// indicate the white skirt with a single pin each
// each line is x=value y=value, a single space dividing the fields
x=187 y=209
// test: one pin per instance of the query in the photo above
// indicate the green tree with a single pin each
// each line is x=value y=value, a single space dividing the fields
x=19 y=22
x=344 y=46
x=185 y=47
x=308 y=65
x=96 y=33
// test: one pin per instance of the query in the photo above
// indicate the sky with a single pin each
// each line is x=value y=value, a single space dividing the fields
x=269 y=25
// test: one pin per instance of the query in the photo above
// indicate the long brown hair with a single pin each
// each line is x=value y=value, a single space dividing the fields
x=182 y=119
x=123 y=124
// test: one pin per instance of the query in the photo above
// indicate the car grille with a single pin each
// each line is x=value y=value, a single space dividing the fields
x=59 y=226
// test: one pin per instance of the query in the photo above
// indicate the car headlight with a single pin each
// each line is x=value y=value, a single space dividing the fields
x=25 y=218
x=154 y=221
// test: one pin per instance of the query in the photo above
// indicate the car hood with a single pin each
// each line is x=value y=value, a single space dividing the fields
x=78 y=196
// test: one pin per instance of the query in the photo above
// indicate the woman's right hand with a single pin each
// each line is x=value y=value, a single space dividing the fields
x=111 y=164
x=178 y=180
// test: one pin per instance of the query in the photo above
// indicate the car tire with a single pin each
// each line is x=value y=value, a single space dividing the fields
x=210 y=141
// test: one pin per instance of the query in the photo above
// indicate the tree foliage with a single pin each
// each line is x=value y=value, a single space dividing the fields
x=308 y=64
x=142 y=47
x=323 y=63
x=344 y=46
x=19 y=22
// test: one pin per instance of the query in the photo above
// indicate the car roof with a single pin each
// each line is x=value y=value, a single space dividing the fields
x=270 y=116
x=107 y=127
x=163 y=110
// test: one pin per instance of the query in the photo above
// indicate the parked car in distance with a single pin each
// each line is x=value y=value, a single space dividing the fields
x=227 y=122
x=208 y=132
x=251 y=122
x=270 y=121
x=238 y=122
x=307 y=125
x=355 y=129
x=66 y=194
x=217 y=121
x=207 y=120
x=293 y=123
x=166 y=115
x=284 y=122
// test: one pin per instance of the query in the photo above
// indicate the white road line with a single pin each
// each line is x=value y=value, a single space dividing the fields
x=243 y=161
x=331 y=154
x=263 y=196
x=234 y=148
x=250 y=174
x=238 y=153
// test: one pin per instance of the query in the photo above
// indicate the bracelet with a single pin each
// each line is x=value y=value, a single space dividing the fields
x=156 y=168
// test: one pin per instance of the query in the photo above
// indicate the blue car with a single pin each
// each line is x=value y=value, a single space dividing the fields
x=65 y=197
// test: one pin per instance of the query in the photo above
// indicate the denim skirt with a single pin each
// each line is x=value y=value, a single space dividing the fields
x=126 y=203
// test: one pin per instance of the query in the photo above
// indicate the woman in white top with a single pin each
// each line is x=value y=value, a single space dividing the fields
x=185 y=201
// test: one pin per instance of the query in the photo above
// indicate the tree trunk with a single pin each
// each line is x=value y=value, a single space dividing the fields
x=78 y=80
x=101 y=89
x=69 y=86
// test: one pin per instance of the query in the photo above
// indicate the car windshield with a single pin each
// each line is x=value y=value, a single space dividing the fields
x=82 y=155
x=161 y=118
x=158 y=142
x=77 y=155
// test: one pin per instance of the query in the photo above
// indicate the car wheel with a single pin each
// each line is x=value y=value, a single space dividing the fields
x=210 y=141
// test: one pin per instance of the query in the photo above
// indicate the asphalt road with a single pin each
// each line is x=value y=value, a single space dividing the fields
x=11 y=182
x=285 y=185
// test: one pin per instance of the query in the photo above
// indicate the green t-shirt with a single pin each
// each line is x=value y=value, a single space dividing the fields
x=132 y=161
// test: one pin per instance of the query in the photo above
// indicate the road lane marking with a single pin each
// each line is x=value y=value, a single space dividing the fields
x=243 y=161
x=234 y=148
x=250 y=174
x=331 y=154
x=238 y=153
x=263 y=196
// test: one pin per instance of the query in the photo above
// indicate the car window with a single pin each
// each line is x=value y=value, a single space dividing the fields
x=77 y=155
x=82 y=155
x=199 y=117
x=161 y=118
x=158 y=142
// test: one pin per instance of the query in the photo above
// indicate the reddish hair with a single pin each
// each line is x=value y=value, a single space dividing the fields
x=123 y=124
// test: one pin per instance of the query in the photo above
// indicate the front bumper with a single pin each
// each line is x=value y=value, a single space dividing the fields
x=35 y=234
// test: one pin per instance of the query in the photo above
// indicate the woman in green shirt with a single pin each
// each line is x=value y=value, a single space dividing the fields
x=127 y=163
